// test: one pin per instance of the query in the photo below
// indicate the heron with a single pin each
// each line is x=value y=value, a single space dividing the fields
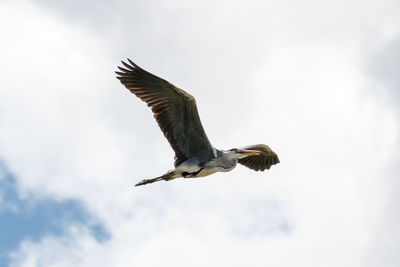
x=176 y=114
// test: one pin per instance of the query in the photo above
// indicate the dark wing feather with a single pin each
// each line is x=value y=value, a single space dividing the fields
x=265 y=160
x=174 y=109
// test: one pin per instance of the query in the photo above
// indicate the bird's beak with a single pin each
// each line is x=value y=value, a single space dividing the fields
x=246 y=153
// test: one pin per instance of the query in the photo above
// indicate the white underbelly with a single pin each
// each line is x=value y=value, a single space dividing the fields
x=189 y=170
x=209 y=171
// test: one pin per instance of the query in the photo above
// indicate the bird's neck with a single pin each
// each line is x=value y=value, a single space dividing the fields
x=228 y=157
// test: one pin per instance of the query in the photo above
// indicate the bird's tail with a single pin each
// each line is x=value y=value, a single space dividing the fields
x=168 y=176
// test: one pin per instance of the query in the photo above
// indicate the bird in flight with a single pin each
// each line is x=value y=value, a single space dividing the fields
x=176 y=114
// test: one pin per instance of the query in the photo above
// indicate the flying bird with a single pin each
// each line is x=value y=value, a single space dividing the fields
x=176 y=114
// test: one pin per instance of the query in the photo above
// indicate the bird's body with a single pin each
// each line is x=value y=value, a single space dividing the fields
x=199 y=166
x=176 y=114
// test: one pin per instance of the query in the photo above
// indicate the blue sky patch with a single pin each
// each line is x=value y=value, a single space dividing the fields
x=22 y=218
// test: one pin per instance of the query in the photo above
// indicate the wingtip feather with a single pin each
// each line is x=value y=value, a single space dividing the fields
x=132 y=63
x=127 y=65
x=123 y=69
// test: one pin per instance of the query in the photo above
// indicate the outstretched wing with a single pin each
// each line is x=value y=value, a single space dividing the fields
x=265 y=160
x=174 y=109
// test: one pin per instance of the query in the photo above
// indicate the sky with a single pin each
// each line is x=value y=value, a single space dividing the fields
x=315 y=80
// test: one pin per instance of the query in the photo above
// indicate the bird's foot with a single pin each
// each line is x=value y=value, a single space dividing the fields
x=148 y=181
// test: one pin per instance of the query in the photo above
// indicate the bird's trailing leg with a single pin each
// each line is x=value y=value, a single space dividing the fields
x=149 y=181
x=166 y=177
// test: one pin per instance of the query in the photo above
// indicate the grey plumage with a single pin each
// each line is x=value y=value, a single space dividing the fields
x=176 y=114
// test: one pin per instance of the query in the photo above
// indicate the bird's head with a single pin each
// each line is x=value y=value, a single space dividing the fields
x=242 y=153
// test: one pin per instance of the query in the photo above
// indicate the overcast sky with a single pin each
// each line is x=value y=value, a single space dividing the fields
x=315 y=80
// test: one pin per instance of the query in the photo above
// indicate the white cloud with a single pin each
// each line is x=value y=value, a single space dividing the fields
x=381 y=67
x=68 y=250
x=289 y=75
